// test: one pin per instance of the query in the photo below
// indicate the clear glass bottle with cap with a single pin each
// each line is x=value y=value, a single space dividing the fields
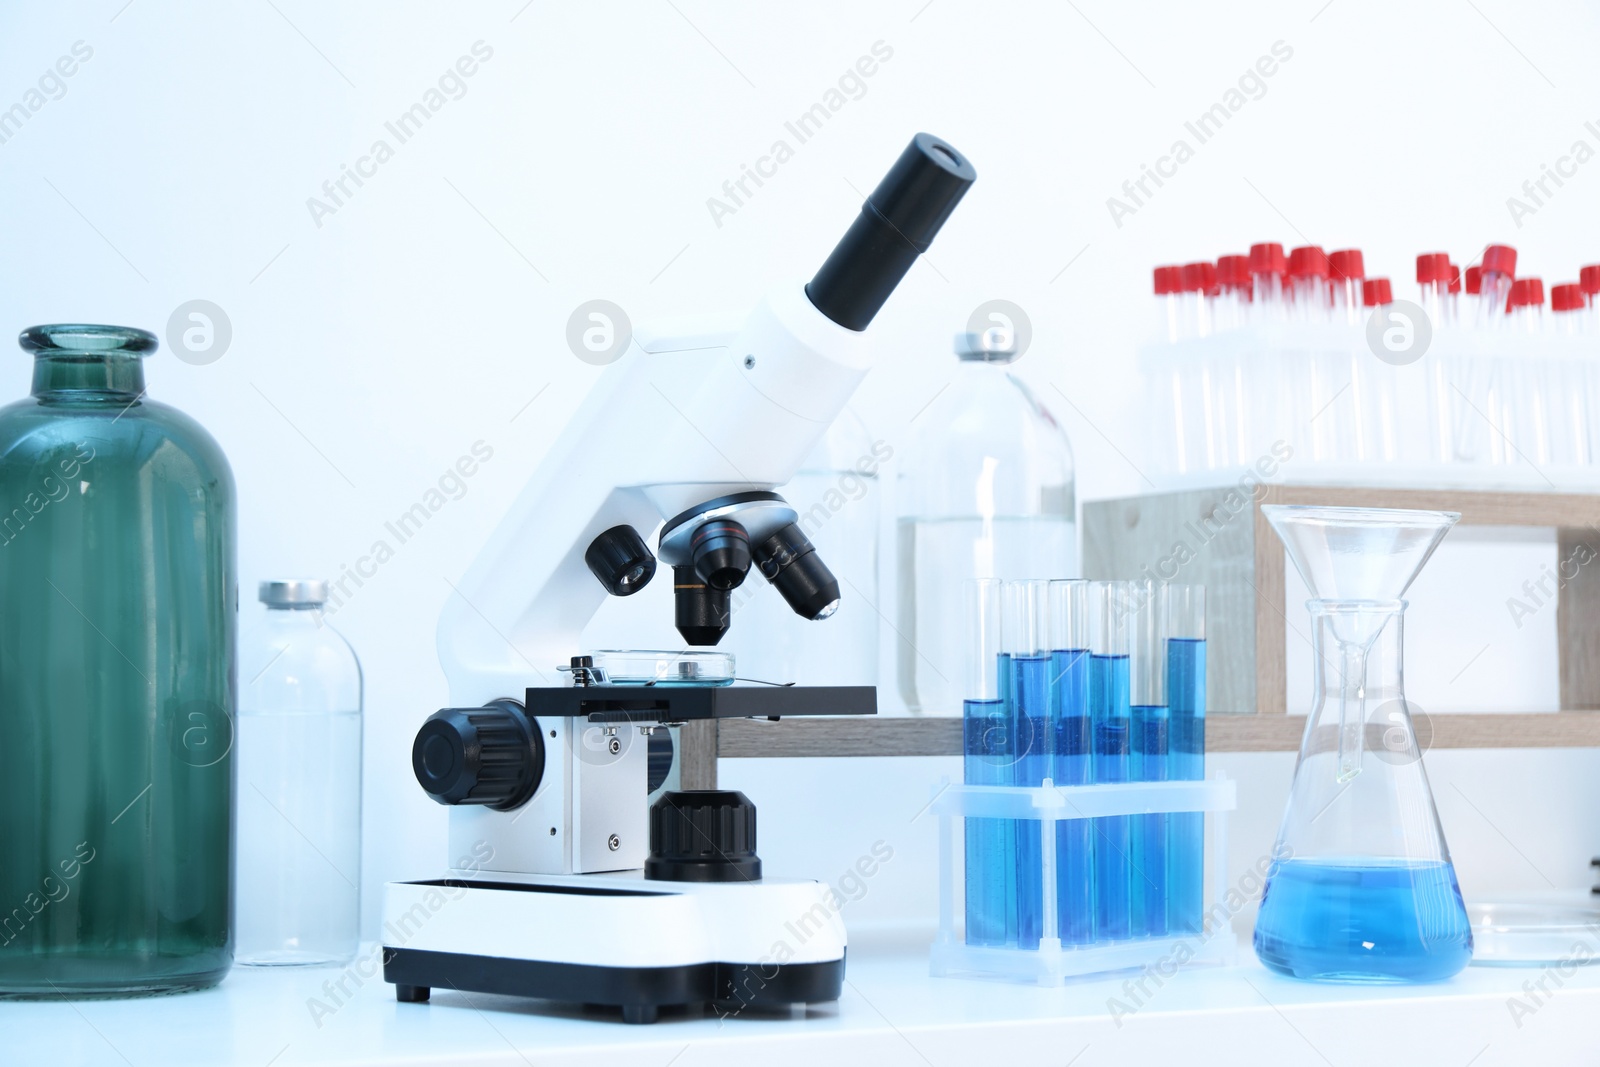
x=986 y=490
x=299 y=855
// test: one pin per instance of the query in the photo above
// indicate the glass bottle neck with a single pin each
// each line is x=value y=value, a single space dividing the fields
x=88 y=376
x=304 y=616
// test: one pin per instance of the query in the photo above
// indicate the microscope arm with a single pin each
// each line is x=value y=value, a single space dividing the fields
x=680 y=419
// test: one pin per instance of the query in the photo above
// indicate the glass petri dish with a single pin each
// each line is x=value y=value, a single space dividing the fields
x=648 y=667
x=1534 y=933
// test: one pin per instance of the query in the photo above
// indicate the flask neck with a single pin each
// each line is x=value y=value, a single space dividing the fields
x=1357 y=647
x=88 y=376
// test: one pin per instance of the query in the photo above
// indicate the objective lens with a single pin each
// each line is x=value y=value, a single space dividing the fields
x=701 y=612
x=790 y=562
x=720 y=550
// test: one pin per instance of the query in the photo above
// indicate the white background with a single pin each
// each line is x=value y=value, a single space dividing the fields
x=428 y=312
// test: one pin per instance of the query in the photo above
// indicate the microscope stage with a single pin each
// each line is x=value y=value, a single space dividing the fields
x=684 y=703
x=616 y=939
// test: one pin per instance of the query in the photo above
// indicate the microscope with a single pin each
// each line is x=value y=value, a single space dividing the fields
x=567 y=884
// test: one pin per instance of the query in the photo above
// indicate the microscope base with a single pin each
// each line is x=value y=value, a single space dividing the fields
x=616 y=940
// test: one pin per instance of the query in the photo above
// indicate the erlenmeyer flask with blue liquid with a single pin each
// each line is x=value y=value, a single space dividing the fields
x=1361 y=888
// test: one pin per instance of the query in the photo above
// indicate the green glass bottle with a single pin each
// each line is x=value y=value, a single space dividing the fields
x=117 y=576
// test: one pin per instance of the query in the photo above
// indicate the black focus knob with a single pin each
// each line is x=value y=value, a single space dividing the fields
x=720 y=550
x=703 y=835
x=621 y=560
x=491 y=755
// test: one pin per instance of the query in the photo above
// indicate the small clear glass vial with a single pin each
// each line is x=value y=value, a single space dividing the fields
x=298 y=864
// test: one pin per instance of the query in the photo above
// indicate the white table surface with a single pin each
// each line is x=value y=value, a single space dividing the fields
x=891 y=1013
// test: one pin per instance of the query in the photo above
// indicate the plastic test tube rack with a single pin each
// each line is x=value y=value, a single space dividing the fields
x=1052 y=963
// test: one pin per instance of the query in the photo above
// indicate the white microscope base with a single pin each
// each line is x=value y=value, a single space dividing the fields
x=615 y=939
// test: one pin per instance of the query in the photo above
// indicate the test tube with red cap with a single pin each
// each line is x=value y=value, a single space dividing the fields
x=1499 y=270
x=1568 y=310
x=1526 y=305
x=1199 y=290
x=1169 y=302
x=1376 y=292
x=1346 y=271
x=1233 y=297
x=1267 y=269
x=1536 y=389
x=1308 y=284
x=1433 y=284
x=1589 y=282
x=1452 y=305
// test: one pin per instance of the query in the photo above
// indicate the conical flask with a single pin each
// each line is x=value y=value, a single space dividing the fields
x=1361 y=887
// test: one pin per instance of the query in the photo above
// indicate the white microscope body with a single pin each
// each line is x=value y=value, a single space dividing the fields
x=547 y=895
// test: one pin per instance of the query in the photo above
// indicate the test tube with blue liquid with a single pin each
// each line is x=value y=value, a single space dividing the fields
x=1069 y=755
x=1186 y=747
x=1025 y=619
x=1108 y=758
x=1147 y=697
x=989 y=752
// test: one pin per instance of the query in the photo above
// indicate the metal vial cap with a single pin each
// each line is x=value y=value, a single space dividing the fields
x=293 y=592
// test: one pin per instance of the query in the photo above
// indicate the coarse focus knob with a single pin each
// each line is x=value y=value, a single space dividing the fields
x=491 y=755
x=621 y=560
x=703 y=835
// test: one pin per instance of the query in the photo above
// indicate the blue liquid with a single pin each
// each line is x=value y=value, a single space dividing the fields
x=1069 y=765
x=991 y=847
x=1148 y=895
x=1186 y=761
x=1109 y=728
x=1030 y=718
x=1363 y=921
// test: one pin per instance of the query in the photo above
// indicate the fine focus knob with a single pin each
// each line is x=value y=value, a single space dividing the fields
x=703 y=835
x=491 y=755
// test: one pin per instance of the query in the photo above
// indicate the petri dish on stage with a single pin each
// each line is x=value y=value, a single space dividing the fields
x=650 y=667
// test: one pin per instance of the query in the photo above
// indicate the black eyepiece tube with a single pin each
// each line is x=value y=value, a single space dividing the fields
x=896 y=225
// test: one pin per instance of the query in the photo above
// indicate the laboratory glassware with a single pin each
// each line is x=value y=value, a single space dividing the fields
x=1233 y=297
x=1069 y=754
x=1346 y=271
x=117 y=697
x=1433 y=284
x=1169 y=303
x=989 y=747
x=1109 y=722
x=1267 y=270
x=1533 y=933
x=1148 y=723
x=1497 y=271
x=1361 y=888
x=837 y=494
x=1186 y=746
x=1309 y=295
x=986 y=490
x=1025 y=670
x=299 y=853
